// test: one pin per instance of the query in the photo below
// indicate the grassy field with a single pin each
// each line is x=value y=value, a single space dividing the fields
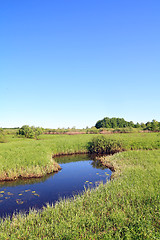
x=21 y=157
x=125 y=208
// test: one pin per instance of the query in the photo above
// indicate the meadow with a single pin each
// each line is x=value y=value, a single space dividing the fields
x=125 y=208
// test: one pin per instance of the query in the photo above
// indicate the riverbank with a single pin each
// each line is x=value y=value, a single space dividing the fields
x=125 y=208
x=23 y=158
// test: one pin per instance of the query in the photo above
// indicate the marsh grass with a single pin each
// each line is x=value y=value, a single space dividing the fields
x=20 y=157
x=125 y=208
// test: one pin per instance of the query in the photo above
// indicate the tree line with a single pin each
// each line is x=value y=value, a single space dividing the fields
x=121 y=123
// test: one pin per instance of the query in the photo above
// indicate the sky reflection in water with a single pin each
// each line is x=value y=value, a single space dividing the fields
x=78 y=172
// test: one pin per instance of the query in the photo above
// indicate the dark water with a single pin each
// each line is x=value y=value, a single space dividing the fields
x=78 y=172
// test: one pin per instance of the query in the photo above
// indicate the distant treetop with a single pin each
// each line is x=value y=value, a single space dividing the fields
x=121 y=123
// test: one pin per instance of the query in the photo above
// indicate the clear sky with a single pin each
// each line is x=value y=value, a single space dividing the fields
x=66 y=63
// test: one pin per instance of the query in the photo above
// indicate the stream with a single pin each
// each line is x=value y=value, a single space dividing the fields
x=78 y=173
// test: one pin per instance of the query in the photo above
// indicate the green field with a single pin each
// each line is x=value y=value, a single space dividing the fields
x=125 y=208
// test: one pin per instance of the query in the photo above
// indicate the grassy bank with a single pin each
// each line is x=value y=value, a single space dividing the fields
x=125 y=208
x=21 y=157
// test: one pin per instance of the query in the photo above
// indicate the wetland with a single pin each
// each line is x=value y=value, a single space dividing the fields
x=78 y=172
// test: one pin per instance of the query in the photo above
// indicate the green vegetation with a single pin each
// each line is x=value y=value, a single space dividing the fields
x=23 y=157
x=113 y=123
x=2 y=136
x=125 y=208
x=153 y=126
x=121 y=123
x=10 y=131
x=104 y=126
x=30 y=132
x=102 y=145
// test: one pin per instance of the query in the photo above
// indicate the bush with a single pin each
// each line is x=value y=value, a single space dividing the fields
x=30 y=132
x=101 y=145
x=123 y=130
x=93 y=130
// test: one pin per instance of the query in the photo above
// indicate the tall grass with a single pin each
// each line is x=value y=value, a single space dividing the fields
x=31 y=158
x=125 y=208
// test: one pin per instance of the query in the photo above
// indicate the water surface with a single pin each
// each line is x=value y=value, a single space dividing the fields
x=78 y=172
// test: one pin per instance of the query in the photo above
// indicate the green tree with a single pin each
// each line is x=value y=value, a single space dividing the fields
x=131 y=124
x=143 y=126
x=137 y=125
x=113 y=123
x=148 y=126
x=154 y=125
x=30 y=132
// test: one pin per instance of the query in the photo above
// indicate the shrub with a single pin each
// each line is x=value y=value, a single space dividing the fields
x=30 y=132
x=93 y=130
x=123 y=130
x=101 y=145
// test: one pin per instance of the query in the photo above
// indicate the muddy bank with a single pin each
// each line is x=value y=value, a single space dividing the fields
x=106 y=163
x=68 y=154
x=114 y=131
x=66 y=133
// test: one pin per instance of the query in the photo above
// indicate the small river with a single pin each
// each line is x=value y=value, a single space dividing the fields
x=78 y=173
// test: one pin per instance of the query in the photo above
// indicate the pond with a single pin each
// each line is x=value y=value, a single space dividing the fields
x=78 y=173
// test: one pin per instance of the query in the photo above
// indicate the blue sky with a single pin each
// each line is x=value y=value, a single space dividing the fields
x=68 y=63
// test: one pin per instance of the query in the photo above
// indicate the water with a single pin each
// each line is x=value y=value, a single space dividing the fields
x=78 y=172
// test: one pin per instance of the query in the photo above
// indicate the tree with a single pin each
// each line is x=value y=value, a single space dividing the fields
x=121 y=123
x=30 y=132
x=137 y=125
x=154 y=125
x=143 y=126
x=99 y=124
x=113 y=123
